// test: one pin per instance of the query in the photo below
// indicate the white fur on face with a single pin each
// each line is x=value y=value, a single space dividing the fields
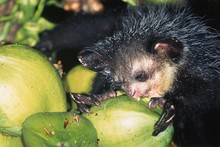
x=161 y=75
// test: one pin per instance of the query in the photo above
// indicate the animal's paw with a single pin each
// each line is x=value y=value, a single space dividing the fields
x=84 y=101
x=165 y=119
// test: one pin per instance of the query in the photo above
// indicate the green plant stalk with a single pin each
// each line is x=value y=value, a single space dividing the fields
x=6 y=18
x=2 y=1
x=55 y=3
x=27 y=10
x=39 y=11
x=5 y=30
x=8 y=22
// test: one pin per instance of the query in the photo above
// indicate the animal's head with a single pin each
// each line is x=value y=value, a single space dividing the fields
x=141 y=69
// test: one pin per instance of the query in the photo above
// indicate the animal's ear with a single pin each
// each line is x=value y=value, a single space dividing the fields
x=169 y=47
x=92 y=60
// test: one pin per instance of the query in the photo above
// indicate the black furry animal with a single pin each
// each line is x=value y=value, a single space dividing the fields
x=70 y=34
x=77 y=32
x=162 y=52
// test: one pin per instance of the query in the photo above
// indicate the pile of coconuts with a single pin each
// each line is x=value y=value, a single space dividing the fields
x=34 y=109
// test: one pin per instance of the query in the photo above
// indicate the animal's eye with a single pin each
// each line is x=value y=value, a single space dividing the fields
x=141 y=76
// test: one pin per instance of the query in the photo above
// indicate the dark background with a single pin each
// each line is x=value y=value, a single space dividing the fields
x=208 y=9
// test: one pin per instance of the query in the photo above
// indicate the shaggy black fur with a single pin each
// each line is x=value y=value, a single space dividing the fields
x=77 y=33
x=195 y=92
x=196 y=88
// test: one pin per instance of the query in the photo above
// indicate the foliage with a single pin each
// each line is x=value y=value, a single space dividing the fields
x=21 y=20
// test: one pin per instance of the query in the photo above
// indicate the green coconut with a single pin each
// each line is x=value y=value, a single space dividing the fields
x=29 y=83
x=124 y=121
x=10 y=141
x=61 y=129
x=79 y=80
